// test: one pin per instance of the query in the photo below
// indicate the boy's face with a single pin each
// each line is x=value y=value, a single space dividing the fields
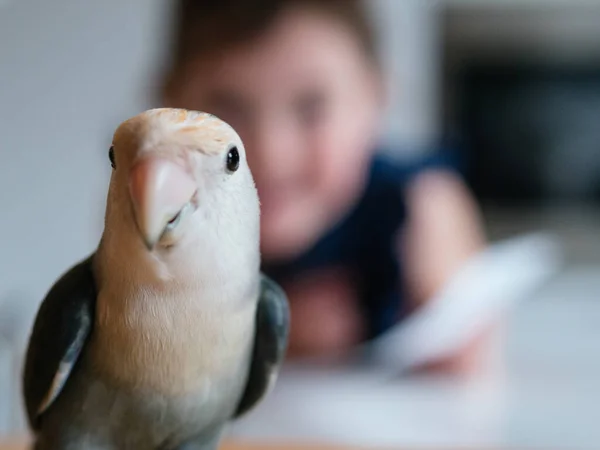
x=305 y=102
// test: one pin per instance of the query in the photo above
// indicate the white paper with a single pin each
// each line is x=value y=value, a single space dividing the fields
x=489 y=285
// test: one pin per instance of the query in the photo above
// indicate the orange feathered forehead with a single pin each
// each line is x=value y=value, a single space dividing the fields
x=198 y=130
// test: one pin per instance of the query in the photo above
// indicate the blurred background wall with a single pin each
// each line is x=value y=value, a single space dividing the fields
x=71 y=71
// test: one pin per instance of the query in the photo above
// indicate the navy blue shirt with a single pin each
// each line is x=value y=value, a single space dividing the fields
x=365 y=243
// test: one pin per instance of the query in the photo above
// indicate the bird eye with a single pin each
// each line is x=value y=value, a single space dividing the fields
x=111 y=157
x=233 y=159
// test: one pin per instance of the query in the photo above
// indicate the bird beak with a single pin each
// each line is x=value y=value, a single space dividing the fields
x=159 y=189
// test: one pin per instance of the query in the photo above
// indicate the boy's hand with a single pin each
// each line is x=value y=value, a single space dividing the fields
x=325 y=316
x=472 y=361
x=445 y=230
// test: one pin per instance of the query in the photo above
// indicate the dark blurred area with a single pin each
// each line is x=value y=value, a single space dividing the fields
x=539 y=128
x=520 y=98
x=522 y=89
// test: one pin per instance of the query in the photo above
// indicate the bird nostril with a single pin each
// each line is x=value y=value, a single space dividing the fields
x=171 y=224
x=174 y=221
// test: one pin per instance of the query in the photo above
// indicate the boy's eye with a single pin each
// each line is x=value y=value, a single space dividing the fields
x=111 y=157
x=310 y=107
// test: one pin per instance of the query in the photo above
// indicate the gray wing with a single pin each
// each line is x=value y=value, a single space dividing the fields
x=270 y=344
x=61 y=328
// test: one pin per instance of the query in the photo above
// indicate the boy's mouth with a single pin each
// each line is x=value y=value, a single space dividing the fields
x=273 y=200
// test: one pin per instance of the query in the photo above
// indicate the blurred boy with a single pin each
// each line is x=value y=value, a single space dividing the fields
x=357 y=241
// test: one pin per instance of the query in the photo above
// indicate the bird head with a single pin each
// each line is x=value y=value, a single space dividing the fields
x=180 y=181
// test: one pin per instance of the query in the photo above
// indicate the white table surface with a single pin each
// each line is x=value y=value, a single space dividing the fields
x=549 y=396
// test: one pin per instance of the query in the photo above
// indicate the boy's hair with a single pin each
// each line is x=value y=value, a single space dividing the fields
x=205 y=28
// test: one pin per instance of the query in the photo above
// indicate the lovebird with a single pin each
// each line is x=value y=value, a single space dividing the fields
x=168 y=330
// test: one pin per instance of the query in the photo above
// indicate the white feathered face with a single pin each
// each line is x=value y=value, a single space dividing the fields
x=181 y=178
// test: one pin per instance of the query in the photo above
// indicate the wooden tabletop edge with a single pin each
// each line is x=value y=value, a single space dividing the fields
x=25 y=444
